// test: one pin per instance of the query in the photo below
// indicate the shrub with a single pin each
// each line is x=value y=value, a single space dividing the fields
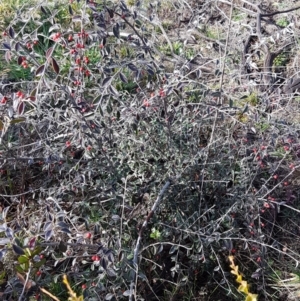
x=125 y=168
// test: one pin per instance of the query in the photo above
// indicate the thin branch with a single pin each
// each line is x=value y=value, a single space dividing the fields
x=122 y=214
x=280 y=12
x=25 y=284
x=226 y=49
x=138 y=243
x=17 y=195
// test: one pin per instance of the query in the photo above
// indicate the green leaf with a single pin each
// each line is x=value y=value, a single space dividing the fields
x=23 y=259
x=39 y=263
x=18 y=250
x=37 y=250
x=116 y=31
x=245 y=109
x=2 y=275
x=25 y=266
x=17 y=120
x=40 y=70
x=19 y=269
x=49 y=52
x=55 y=66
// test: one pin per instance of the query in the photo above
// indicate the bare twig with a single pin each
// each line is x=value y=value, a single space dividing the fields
x=25 y=284
x=122 y=214
x=225 y=52
x=138 y=242
x=17 y=195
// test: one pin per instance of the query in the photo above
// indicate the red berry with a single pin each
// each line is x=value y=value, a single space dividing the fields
x=162 y=93
x=146 y=103
x=95 y=258
x=3 y=100
x=20 y=94
x=83 y=286
x=86 y=59
x=56 y=36
x=79 y=45
x=82 y=34
x=88 y=235
x=38 y=273
x=24 y=64
x=70 y=38
x=68 y=144
x=35 y=42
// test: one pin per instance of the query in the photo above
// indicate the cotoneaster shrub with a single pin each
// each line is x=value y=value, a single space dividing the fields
x=92 y=131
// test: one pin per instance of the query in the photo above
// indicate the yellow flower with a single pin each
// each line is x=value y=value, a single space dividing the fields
x=239 y=278
x=251 y=297
x=72 y=294
x=234 y=269
x=243 y=287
